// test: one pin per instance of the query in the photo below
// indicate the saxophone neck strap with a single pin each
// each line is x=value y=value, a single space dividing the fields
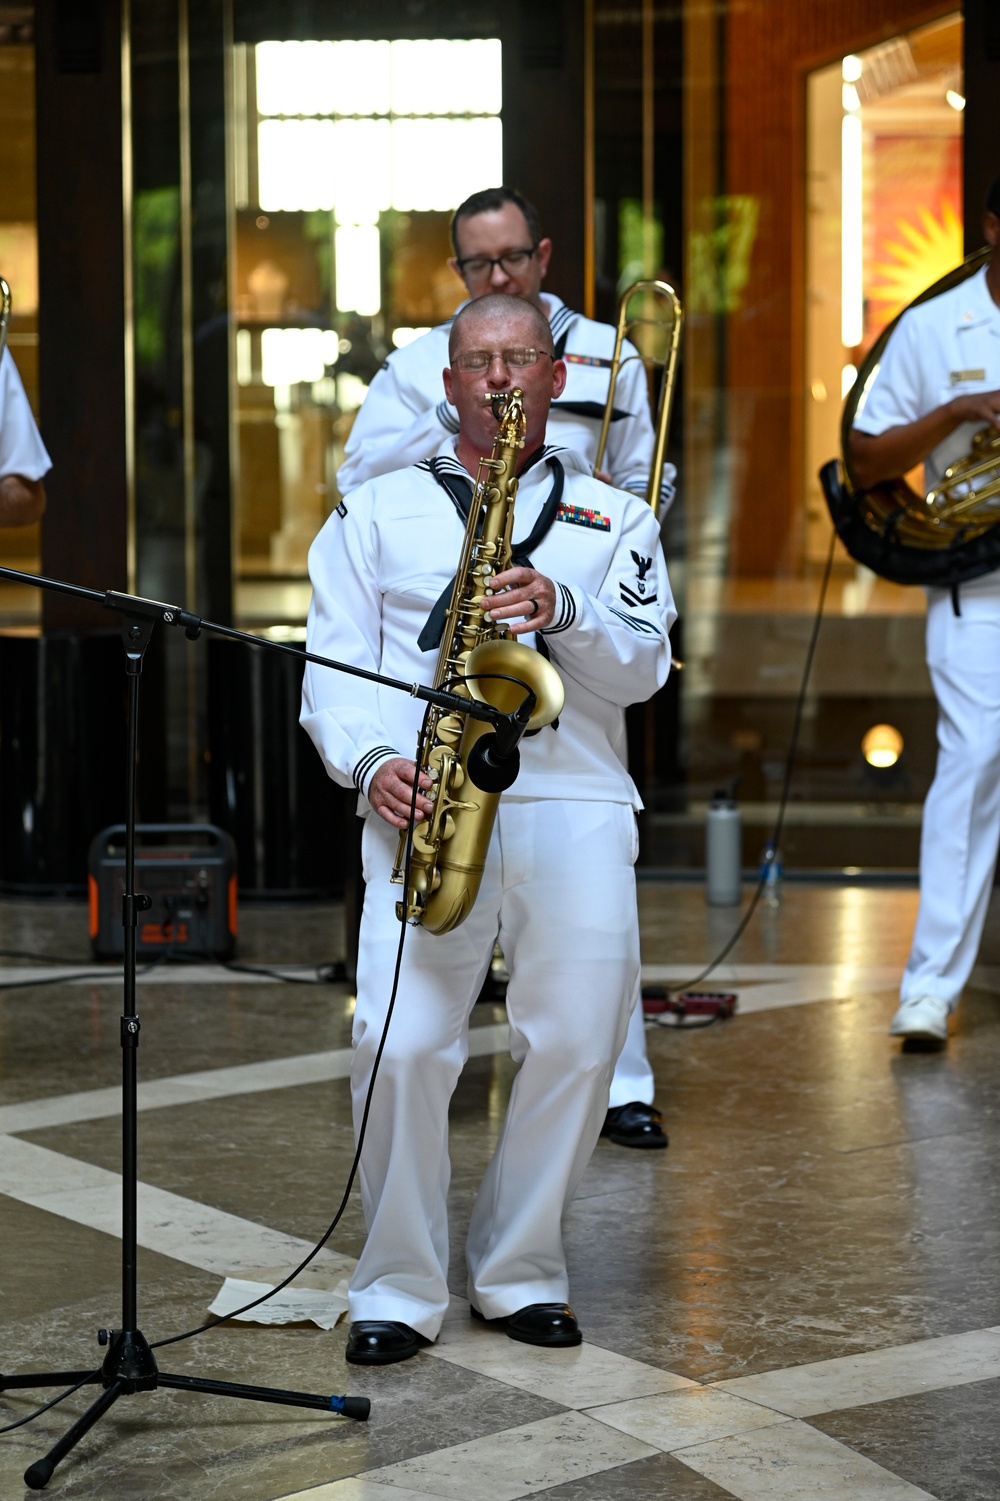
x=460 y=490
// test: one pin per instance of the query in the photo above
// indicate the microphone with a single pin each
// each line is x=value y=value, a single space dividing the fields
x=495 y=760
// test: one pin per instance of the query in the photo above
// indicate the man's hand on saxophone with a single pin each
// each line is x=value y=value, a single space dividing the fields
x=391 y=792
x=523 y=588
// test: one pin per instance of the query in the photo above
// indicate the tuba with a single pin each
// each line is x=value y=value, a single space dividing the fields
x=945 y=537
x=669 y=316
x=476 y=659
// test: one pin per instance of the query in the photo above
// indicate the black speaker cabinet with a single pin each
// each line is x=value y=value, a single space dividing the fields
x=189 y=873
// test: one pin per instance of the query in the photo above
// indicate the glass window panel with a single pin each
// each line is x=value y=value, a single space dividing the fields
x=359 y=78
x=446 y=77
x=311 y=86
x=244 y=357
x=358 y=269
x=295 y=164
x=322 y=78
x=291 y=78
x=402 y=336
x=271 y=66
x=852 y=199
x=362 y=170
x=437 y=163
x=291 y=355
x=481 y=76
x=477 y=157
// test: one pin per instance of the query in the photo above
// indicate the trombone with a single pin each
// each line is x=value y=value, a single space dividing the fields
x=4 y=314
x=669 y=315
x=666 y=313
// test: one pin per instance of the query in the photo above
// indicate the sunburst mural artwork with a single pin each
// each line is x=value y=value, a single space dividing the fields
x=928 y=247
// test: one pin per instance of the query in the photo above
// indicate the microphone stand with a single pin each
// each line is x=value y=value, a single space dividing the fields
x=130 y=1365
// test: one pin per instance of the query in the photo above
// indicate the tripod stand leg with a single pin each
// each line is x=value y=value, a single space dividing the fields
x=38 y=1475
x=350 y=1407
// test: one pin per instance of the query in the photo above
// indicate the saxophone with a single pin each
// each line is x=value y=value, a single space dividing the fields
x=448 y=850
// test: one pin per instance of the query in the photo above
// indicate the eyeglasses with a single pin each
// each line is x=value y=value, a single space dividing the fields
x=477 y=267
x=475 y=360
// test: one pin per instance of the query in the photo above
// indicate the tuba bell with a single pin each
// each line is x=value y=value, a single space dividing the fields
x=949 y=535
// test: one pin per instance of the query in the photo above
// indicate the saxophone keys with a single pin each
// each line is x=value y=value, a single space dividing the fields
x=424 y=845
x=449 y=731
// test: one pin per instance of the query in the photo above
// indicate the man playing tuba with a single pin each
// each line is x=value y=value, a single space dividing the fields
x=939 y=383
x=558 y=888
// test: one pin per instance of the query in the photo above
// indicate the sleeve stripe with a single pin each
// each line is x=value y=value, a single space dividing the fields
x=566 y=614
x=367 y=764
x=446 y=417
x=635 y=623
x=561 y=318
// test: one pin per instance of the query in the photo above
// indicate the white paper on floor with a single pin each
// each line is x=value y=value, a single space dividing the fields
x=293 y=1305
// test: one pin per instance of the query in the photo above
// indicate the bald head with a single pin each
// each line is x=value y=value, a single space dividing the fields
x=495 y=326
x=509 y=319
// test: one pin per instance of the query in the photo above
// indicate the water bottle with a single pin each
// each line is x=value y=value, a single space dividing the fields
x=723 y=847
x=771 y=870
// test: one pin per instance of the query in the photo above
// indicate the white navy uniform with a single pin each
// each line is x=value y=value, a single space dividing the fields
x=558 y=889
x=941 y=349
x=21 y=448
x=400 y=422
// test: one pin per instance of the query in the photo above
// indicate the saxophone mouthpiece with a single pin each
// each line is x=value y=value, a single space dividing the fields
x=498 y=401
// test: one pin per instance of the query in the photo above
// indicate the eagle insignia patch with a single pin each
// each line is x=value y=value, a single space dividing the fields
x=638 y=595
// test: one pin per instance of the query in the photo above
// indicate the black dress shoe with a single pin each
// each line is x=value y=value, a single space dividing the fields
x=372 y=1342
x=635 y=1125
x=551 y=1324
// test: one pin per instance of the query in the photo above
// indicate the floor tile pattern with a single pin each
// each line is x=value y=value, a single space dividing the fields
x=799 y=1299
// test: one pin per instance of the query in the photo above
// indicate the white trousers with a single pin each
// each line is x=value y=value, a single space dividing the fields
x=961 y=823
x=559 y=892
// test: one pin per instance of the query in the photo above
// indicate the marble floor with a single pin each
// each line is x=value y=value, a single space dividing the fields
x=800 y=1298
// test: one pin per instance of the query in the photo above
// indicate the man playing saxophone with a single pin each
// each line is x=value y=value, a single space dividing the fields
x=558 y=888
x=938 y=383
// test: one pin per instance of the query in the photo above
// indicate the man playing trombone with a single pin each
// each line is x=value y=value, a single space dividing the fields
x=499 y=249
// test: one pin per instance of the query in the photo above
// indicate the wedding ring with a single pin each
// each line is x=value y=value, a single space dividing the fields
x=534 y=608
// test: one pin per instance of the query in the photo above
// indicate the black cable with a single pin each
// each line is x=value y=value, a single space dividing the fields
x=111 y=973
x=53 y=1402
x=322 y=974
x=793 y=744
x=40 y=958
x=362 y=1130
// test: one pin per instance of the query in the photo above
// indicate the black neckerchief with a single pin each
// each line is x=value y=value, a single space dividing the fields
x=459 y=487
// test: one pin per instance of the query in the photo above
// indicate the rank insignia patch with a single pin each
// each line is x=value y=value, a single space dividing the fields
x=584 y=516
x=639 y=595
